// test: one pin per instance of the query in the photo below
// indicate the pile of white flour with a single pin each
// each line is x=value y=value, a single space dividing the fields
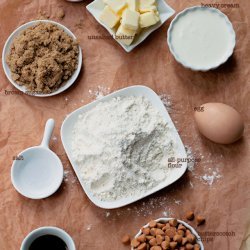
x=122 y=148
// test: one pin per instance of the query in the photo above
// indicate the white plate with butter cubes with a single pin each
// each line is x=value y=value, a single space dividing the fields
x=130 y=22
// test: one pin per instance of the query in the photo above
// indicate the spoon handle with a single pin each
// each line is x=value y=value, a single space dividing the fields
x=48 y=132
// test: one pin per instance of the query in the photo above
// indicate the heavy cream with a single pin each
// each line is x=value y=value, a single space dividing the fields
x=201 y=38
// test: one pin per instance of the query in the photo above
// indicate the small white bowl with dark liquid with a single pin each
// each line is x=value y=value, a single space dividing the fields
x=48 y=238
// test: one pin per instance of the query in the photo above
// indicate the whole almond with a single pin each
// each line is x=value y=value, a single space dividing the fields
x=126 y=239
x=188 y=232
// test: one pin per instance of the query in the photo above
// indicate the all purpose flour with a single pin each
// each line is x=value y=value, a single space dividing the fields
x=122 y=148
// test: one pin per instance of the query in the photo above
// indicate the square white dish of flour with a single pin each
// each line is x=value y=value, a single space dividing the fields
x=165 y=12
x=122 y=147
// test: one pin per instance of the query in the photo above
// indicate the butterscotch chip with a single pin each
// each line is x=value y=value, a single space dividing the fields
x=173 y=245
x=160 y=225
x=126 y=239
x=152 y=223
x=153 y=231
x=181 y=232
x=184 y=241
x=135 y=243
x=167 y=238
x=191 y=238
x=141 y=238
x=159 y=239
x=170 y=233
x=159 y=231
x=165 y=245
x=156 y=248
x=197 y=247
x=177 y=238
x=146 y=231
x=153 y=242
x=181 y=227
x=173 y=222
x=189 y=246
x=190 y=215
x=200 y=220
x=143 y=246
x=149 y=237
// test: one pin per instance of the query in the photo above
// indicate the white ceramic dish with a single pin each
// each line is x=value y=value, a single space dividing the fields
x=67 y=130
x=39 y=172
x=48 y=231
x=165 y=220
x=228 y=25
x=7 y=47
x=165 y=11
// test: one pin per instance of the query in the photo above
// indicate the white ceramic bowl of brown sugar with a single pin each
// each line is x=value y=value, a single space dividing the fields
x=66 y=82
x=193 y=241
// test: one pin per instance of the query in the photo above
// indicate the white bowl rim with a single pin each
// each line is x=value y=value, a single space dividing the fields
x=199 y=241
x=52 y=231
x=178 y=59
x=23 y=89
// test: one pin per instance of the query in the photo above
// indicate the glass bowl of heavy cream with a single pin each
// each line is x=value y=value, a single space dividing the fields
x=201 y=38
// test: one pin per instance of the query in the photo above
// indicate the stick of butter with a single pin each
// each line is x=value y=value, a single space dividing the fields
x=116 y=5
x=148 y=19
x=133 y=5
x=109 y=18
x=124 y=35
x=130 y=19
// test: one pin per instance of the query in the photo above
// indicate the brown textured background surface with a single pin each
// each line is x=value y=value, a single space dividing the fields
x=226 y=203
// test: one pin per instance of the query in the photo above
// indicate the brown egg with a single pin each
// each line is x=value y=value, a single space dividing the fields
x=219 y=122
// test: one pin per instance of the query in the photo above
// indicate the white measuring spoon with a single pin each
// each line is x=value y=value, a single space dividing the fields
x=38 y=172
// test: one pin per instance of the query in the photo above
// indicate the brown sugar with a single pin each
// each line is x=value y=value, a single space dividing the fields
x=43 y=57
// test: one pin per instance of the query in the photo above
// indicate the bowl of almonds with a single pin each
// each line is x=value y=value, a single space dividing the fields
x=167 y=233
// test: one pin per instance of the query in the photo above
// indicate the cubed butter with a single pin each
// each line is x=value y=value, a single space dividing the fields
x=133 y=5
x=148 y=19
x=146 y=2
x=130 y=19
x=144 y=9
x=109 y=18
x=124 y=35
x=116 y=5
